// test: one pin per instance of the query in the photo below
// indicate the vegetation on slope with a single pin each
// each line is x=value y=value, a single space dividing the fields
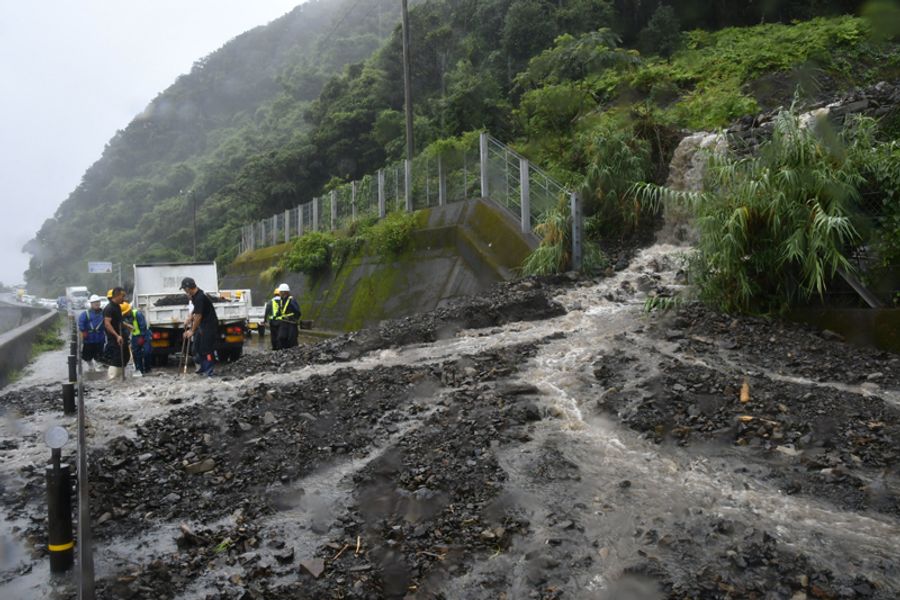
x=577 y=84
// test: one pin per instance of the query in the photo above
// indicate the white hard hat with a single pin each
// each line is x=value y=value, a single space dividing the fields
x=284 y=287
x=94 y=298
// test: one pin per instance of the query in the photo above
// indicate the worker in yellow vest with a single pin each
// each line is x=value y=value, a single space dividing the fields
x=287 y=315
x=268 y=318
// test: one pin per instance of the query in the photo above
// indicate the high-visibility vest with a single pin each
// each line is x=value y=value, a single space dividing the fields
x=136 y=331
x=279 y=310
x=274 y=313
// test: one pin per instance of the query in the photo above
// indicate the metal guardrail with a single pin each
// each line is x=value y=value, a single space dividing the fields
x=489 y=170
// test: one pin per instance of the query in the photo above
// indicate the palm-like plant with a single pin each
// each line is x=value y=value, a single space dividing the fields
x=776 y=227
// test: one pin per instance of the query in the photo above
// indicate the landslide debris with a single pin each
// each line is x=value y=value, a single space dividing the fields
x=522 y=300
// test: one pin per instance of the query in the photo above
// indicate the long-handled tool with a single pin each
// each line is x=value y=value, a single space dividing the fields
x=122 y=356
x=184 y=345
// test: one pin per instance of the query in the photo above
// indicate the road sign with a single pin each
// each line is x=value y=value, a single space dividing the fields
x=99 y=267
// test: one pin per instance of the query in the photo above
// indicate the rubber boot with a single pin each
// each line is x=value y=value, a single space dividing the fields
x=113 y=373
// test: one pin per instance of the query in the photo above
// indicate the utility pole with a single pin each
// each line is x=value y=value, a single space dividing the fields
x=194 y=221
x=407 y=88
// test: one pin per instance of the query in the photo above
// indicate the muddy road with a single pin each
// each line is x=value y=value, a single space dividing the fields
x=546 y=440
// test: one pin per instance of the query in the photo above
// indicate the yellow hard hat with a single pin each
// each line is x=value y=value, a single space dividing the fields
x=276 y=292
x=109 y=293
x=126 y=308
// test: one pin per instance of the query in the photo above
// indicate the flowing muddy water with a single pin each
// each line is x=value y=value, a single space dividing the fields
x=594 y=507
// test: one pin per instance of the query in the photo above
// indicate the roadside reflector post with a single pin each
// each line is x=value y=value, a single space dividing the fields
x=73 y=364
x=68 y=393
x=61 y=543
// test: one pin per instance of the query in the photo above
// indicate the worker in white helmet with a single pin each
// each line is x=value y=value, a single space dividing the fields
x=287 y=315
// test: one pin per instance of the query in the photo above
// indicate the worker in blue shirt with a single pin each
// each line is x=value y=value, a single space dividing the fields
x=90 y=324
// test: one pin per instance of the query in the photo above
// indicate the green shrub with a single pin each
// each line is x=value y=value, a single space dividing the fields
x=48 y=339
x=309 y=253
x=392 y=235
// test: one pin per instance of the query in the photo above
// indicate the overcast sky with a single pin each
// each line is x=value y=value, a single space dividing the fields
x=74 y=72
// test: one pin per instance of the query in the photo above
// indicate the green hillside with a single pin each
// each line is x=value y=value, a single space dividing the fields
x=282 y=111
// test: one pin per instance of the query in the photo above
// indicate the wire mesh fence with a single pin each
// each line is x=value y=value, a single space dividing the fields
x=474 y=168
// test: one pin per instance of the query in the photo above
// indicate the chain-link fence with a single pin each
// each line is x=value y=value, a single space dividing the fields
x=477 y=167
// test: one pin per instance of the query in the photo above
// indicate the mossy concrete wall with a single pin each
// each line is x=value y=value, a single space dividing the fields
x=459 y=249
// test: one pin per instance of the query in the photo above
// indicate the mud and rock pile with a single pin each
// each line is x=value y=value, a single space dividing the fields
x=570 y=448
x=522 y=300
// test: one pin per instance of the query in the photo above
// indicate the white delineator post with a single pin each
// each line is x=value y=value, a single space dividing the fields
x=483 y=153
x=525 y=195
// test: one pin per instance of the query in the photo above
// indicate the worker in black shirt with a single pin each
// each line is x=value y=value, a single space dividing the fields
x=204 y=327
x=287 y=314
x=116 y=352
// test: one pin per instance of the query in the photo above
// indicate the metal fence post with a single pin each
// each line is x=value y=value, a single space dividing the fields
x=315 y=214
x=287 y=225
x=333 y=209
x=483 y=154
x=300 y=219
x=442 y=182
x=274 y=229
x=381 y=202
x=525 y=195
x=577 y=223
x=353 y=200
x=407 y=184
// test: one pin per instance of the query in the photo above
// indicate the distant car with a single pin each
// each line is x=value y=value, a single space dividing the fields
x=48 y=303
x=256 y=319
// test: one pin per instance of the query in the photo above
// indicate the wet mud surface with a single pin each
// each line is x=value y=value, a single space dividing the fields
x=546 y=440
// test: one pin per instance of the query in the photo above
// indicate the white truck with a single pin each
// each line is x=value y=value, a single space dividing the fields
x=77 y=297
x=165 y=306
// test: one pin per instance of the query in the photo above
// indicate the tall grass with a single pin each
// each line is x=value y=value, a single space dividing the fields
x=554 y=253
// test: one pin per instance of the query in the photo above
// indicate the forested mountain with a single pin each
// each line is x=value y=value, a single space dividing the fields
x=268 y=120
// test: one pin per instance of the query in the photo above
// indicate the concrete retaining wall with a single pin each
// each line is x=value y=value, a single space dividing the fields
x=21 y=324
x=459 y=250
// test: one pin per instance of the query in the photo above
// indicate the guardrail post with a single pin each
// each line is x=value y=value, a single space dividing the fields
x=577 y=222
x=483 y=154
x=442 y=182
x=407 y=184
x=68 y=394
x=333 y=209
x=525 y=195
x=287 y=225
x=353 y=200
x=381 y=200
